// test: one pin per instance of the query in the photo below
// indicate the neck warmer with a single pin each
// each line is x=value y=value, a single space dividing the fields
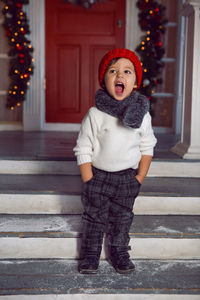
x=130 y=111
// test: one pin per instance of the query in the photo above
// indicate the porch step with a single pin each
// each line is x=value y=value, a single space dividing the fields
x=60 y=194
x=60 y=280
x=164 y=168
x=152 y=237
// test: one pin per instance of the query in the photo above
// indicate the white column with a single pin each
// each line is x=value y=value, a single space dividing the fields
x=33 y=109
x=189 y=146
x=133 y=31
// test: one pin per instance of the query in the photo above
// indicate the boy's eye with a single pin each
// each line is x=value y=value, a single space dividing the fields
x=127 y=72
x=112 y=71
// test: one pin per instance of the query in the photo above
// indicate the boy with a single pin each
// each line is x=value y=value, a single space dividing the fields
x=114 y=151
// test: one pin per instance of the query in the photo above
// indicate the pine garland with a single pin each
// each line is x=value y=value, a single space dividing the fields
x=151 y=20
x=21 y=62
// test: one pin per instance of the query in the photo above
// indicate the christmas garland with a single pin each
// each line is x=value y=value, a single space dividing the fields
x=151 y=20
x=21 y=63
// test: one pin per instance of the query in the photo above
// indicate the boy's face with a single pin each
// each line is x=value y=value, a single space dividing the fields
x=120 y=79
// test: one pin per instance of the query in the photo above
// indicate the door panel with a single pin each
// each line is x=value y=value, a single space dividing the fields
x=76 y=40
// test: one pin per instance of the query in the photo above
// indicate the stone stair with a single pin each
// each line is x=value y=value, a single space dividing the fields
x=40 y=233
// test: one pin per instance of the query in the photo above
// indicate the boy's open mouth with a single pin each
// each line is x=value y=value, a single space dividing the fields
x=119 y=88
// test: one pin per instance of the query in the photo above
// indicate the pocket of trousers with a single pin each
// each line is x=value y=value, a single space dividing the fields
x=138 y=182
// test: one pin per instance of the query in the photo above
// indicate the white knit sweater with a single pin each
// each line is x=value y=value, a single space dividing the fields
x=109 y=145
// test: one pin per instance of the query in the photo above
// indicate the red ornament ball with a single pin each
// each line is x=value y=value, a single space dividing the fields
x=18 y=5
x=19 y=47
x=159 y=44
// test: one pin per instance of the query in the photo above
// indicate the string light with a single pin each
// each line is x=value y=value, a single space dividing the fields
x=145 y=70
x=16 y=26
x=142 y=48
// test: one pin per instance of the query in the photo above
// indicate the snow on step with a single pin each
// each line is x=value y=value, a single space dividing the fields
x=59 y=279
x=152 y=237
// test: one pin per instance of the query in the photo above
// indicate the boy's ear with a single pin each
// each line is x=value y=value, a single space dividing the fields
x=135 y=86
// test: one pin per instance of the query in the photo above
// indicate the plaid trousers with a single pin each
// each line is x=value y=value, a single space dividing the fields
x=108 y=200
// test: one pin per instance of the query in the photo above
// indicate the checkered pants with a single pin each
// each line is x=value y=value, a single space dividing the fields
x=108 y=200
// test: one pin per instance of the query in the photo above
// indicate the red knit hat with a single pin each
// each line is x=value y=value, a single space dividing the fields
x=120 y=52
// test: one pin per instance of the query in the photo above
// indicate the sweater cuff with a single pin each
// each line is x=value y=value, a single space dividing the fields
x=83 y=159
x=147 y=152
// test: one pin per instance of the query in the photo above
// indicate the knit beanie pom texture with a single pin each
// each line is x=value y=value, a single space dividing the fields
x=120 y=53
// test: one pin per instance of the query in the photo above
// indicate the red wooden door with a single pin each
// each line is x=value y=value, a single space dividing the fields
x=76 y=40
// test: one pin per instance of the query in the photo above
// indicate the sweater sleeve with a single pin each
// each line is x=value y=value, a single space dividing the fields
x=85 y=142
x=148 y=140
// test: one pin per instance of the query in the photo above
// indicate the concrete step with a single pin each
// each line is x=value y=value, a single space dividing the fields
x=60 y=280
x=50 y=236
x=60 y=194
x=168 y=168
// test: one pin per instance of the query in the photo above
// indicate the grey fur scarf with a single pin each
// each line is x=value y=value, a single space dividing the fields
x=130 y=111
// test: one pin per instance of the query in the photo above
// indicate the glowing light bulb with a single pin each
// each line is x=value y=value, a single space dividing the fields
x=14 y=93
x=12 y=108
x=12 y=40
x=18 y=104
x=148 y=32
x=15 y=87
x=145 y=70
x=22 y=92
x=16 y=34
x=148 y=38
x=142 y=48
x=151 y=11
x=143 y=43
